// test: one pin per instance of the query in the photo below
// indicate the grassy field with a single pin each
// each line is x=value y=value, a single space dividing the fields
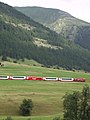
x=46 y=96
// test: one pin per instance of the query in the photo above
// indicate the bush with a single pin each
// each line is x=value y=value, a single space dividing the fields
x=14 y=61
x=57 y=118
x=8 y=118
x=4 y=58
x=26 y=107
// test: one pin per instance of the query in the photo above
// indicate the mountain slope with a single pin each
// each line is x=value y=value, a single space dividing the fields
x=21 y=37
x=43 y=15
x=71 y=28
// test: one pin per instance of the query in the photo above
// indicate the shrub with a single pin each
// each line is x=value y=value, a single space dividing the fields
x=8 y=118
x=57 y=118
x=26 y=107
x=4 y=58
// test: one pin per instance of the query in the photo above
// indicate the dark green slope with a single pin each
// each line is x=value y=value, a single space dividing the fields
x=21 y=37
x=71 y=28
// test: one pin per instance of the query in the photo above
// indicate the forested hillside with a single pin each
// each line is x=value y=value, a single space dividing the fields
x=21 y=37
x=68 y=26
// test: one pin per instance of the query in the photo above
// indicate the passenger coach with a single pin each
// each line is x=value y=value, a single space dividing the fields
x=50 y=78
x=4 y=77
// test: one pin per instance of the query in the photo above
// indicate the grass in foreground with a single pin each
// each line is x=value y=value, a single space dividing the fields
x=46 y=96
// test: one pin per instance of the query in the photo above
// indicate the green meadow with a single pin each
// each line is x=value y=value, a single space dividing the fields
x=47 y=96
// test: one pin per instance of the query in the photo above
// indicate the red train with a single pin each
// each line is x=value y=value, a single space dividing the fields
x=33 y=78
x=62 y=79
